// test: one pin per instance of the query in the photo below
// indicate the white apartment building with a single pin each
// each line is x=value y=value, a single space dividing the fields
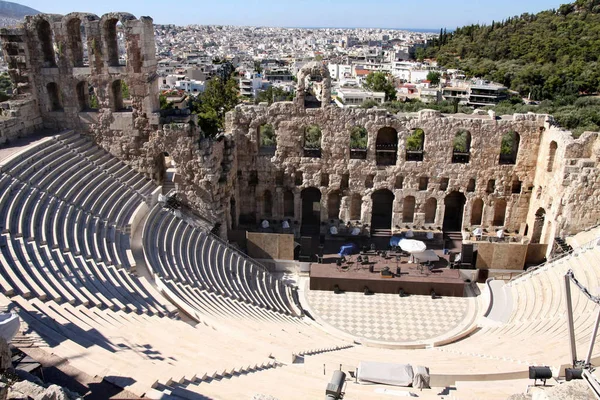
x=350 y=97
x=190 y=86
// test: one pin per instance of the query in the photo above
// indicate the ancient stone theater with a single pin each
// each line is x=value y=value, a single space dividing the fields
x=305 y=251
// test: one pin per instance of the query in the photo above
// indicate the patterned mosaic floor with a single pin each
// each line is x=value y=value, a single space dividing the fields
x=388 y=317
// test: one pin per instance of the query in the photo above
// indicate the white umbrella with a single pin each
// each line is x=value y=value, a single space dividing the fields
x=412 y=246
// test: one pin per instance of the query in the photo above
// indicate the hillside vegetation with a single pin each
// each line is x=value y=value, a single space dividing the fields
x=546 y=55
x=552 y=57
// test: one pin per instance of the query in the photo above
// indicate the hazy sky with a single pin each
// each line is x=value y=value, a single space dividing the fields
x=308 y=13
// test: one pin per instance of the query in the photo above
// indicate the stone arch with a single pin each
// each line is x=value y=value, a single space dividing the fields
x=552 y=155
x=82 y=95
x=116 y=92
x=77 y=40
x=430 y=210
x=267 y=203
x=477 y=212
x=499 y=213
x=408 y=209
x=54 y=97
x=334 y=201
x=538 y=226
x=415 y=143
x=266 y=138
x=383 y=202
x=461 y=147
x=509 y=147
x=314 y=70
x=454 y=205
x=355 y=206
x=113 y=43
x=288 y=204
x=45 y=38
x=311 y=210
x=386 y=146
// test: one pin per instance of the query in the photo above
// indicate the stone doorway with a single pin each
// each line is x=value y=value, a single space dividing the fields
x=453 y=214
x=381 y=217
x=538 y=226
x=311 y=210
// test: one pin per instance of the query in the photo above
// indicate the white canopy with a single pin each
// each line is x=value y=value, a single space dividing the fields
x=412 y=246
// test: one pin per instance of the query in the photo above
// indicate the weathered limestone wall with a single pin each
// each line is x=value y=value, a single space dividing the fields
x=18 y=118
x=289 y=121
x=567 y=186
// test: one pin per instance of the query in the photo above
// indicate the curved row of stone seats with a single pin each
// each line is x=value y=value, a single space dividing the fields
x=537 y=331
x=178 y=252
x=54 y=250
x=77 y=172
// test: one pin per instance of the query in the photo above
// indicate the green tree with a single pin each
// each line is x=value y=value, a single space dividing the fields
x=312 y=136
x=267 y=135
x=124 y=90
x=414 y=142
x=273 y=94
x=381 y=82
x=434 y=77
x=358 y=137
x=164 y=103
x=461 y=142
x=507 y=145
x=219 y=97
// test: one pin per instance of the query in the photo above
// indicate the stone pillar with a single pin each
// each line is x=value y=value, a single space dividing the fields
x=278 y=203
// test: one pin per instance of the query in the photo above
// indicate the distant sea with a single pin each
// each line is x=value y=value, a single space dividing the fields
x=420 y=30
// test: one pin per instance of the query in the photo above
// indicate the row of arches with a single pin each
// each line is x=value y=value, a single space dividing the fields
x=112 y=41
x=87 y=96
x=386 y=144
x=382 y=208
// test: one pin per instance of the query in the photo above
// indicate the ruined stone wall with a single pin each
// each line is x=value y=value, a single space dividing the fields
x=567 y=186
x=289 y=121
x=45 y=58
x=18 y=118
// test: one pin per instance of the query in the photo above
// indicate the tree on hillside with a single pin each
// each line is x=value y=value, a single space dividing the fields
x=434 y=77
x=381 y=82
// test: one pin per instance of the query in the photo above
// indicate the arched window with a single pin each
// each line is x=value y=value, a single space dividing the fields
x=408 y=209
x=267 y=140
x=82 y=95
x=117 y=90
x=538 y=225
x=477 y=212
x=54 y=98
x=113 y=40
x=267 y=204
x=386 y=146
x=355 y=206
x=430 y=210
x=358 y=143
x=461 y=147
x=509 y=148
x=499 y=212
x=552 y=155
x=288 y=203
x=312 y=141
x=415 y=143
x=333 y=205
x=77 y=42
x=45 y=37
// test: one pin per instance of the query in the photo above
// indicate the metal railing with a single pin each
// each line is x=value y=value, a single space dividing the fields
x=530 y=271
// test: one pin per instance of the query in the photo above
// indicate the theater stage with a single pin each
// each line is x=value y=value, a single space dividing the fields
x=414 y=279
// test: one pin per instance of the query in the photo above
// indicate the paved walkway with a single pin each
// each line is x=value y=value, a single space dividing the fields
x=390 y=318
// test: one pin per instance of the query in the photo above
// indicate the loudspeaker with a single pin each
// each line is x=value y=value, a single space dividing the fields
x=541 y=373
x=573 y=373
